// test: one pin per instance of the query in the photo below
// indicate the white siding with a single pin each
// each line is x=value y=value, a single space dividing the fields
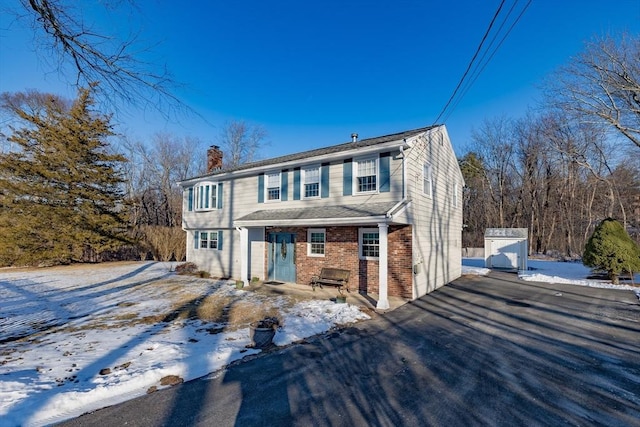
x=240 y=197
x=437 y=231
x=256 y=253
x=220 y=263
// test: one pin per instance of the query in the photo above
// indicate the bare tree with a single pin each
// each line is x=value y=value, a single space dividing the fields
x=241 y=142
x=155 y=199
x=60 y=27
x=153 y=173
x=602 y=86
x=494 y=145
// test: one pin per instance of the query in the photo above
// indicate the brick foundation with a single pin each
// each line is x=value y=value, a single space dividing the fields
x=341 y=251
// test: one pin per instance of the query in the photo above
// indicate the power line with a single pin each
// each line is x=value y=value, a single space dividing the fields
x=480 y=68
x=475 y=55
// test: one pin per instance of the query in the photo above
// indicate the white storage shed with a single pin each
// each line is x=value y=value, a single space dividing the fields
x=506 y=248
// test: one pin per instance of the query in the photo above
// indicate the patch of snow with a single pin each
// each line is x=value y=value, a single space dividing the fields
x=475 y=271
x=572 y=273
x=76 y=325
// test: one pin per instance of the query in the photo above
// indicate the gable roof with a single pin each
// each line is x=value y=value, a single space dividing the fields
x=368 y=142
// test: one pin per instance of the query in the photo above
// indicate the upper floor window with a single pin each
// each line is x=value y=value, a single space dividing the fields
x=206 y=196
x=427 y=180
x=316 y=238
x=273 y=186
x=366 y=176
x=311 y=182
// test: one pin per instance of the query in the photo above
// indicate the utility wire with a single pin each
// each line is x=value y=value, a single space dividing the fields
x=475 y=75
x=478 y=65
x=475 y=55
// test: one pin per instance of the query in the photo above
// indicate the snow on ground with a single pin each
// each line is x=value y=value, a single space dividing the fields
x=474 y=270
x=74 y=340
x=572 y=273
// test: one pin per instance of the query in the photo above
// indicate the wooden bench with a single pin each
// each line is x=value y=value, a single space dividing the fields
x=331 y=276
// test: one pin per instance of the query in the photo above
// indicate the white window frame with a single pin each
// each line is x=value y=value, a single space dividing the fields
x=361 y=233
x=356 y=163
x=202 y=203
x=266 y=186
x=303 y=181
x=311 y=231
x=211 y=243
x=427 y=180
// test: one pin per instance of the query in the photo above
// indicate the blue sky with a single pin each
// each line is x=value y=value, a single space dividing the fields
x=311 y=73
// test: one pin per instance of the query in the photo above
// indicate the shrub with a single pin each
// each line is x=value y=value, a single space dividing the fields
x=187 y=268
x=611 y=249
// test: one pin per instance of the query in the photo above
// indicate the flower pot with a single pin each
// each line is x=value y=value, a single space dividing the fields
x=341 y=299
x=262 y=332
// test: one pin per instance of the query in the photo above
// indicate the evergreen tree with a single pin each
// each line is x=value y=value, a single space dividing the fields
x=611 y=249
x=60 y=192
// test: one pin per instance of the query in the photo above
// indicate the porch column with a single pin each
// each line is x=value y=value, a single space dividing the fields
x=244 y=254
x=383 y=301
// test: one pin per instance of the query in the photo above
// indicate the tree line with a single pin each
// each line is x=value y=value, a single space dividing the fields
x=569 y=164
x=73 y=189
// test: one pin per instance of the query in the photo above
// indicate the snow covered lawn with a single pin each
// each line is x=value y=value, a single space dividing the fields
x=78 y=338
x=75 y=339
x=572 y=273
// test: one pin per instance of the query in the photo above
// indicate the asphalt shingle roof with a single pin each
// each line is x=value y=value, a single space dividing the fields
x=323 y=151
x=321 y=212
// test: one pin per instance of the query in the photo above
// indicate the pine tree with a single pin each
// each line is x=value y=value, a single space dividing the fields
x=611 y=249
x=61 y=192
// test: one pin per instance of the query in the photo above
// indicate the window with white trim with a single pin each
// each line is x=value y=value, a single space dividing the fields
x=316 y=239
x=311 y=182
x=369 y=243
x=366 y=175
x=427 y=179
x=272 y=189
x=207 y=239
x=206 y=196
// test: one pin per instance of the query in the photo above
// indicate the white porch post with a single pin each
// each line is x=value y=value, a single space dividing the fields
x=383 y=301
x=244 y=254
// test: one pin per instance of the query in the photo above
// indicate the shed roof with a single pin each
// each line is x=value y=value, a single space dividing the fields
x=513 y=233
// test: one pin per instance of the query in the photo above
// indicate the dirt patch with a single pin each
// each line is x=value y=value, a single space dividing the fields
x=171 y=380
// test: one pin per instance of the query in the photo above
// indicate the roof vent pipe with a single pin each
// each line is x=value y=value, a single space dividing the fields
x=354 y=137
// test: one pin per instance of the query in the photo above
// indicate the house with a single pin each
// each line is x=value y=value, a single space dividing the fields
x=388 y=209
x=506 y=248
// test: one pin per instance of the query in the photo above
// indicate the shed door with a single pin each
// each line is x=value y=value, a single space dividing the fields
x=504 y=253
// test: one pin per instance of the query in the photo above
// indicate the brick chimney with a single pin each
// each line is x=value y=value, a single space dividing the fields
x=214 y=158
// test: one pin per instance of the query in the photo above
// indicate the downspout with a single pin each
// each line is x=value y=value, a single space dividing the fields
x=383 y=230
x=389 y=214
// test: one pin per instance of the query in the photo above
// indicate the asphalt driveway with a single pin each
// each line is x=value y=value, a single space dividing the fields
x=480 y=351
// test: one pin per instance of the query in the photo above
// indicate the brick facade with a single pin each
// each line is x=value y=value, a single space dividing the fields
x=341 y=251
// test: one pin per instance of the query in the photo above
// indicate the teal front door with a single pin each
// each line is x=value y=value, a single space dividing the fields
x=281 y=257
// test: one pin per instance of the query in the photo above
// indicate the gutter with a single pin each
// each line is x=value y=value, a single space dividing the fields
x=312 y=222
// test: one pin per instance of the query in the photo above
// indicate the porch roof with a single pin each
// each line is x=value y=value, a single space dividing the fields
x=365 y=213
